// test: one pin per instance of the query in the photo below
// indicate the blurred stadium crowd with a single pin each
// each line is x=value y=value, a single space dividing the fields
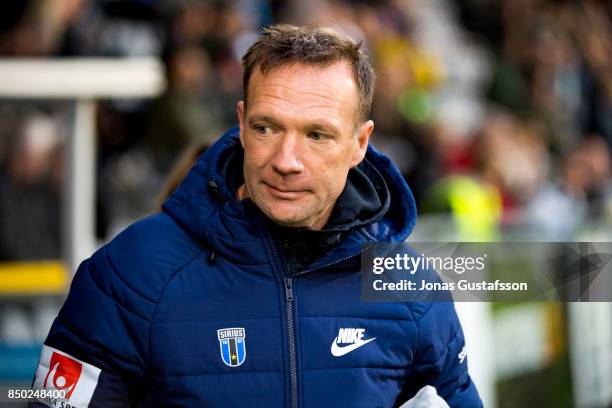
x=497 y=112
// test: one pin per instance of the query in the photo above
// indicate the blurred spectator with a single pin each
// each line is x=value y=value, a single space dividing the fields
x=511 y=156
x=30 y=192
x=39 y=26
x=559 y=208
x=188 y=112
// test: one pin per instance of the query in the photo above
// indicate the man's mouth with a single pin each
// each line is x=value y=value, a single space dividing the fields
x=283 y=193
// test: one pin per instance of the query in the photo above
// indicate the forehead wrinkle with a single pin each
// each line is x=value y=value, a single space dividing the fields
x=320 y=98
x=298 y=105
x=289 y=93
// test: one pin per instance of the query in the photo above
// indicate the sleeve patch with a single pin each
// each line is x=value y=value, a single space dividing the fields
x=60 y=371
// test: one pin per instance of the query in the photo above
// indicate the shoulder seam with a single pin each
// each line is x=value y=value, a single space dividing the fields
x=116 y=301
x=453 y=333
x=120 y=278
x=416 y=322
x=418 y=337
x=163 y=291
x=425 y=311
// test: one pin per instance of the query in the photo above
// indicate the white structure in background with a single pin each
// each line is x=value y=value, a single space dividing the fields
x=476 y=319
x=591 y=353
x=83 y=80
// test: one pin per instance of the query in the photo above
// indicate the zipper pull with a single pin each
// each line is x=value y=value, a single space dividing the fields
x=289 y=289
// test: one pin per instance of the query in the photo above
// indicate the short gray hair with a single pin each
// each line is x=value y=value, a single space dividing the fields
x=284 y=44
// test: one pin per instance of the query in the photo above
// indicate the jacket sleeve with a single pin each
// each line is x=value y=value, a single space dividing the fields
x=440 y=358
x=97 y=348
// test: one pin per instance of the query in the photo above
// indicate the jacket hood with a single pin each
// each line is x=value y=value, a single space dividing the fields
x=204 y=204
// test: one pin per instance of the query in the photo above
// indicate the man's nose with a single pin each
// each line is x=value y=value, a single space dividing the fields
x=287 y=156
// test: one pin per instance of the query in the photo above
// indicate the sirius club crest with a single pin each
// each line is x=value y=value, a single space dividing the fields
x=233 y=347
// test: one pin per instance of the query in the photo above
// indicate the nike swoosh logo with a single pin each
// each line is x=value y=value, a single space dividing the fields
x=338 y=351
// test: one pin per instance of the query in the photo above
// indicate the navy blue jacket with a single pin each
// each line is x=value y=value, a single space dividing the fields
x=146 y=317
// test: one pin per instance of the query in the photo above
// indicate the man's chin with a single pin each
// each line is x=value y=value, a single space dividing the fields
x=287 y=213
x=288 y=221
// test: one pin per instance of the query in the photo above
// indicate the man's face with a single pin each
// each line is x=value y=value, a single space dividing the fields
x=300 y=140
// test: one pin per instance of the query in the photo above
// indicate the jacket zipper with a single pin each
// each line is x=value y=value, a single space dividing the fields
x=289 y=299
x=291 y=339
x=291 y=329
x=288 y=283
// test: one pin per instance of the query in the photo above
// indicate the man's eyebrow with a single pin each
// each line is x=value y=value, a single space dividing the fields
x=262 y=118
x=322 y=125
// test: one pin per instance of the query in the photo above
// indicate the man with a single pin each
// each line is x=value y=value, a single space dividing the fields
x=245 y=290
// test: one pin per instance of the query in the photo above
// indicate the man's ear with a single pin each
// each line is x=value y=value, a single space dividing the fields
x=361 y=142
x=240 y=114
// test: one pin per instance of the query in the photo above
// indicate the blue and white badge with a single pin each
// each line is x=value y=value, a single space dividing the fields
x=232 y=344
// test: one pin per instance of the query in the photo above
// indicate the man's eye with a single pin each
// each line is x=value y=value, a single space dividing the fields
x=262 y=129
x=317 y=136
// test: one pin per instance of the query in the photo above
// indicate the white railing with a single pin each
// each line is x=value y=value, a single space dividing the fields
x=83 y=80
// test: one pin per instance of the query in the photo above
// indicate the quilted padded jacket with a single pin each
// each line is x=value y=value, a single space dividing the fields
x=207 y=304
